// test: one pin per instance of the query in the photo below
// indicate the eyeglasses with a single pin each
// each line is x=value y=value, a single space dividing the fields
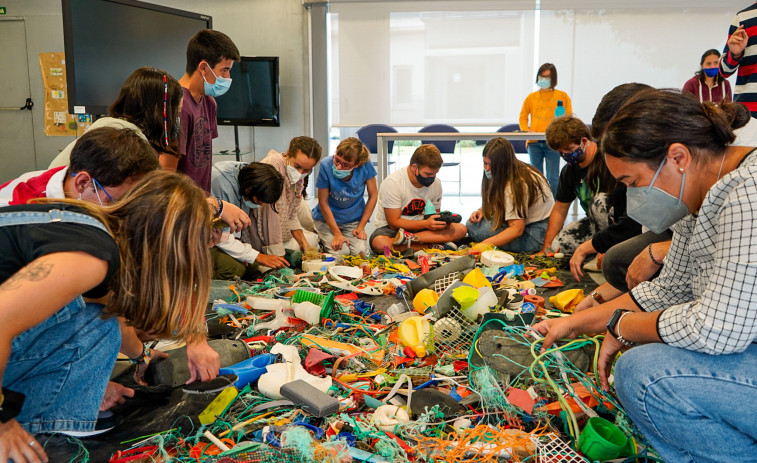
x=343 y=165
x=97 y=184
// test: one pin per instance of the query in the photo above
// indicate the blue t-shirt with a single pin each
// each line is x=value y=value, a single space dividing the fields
x=345 y=196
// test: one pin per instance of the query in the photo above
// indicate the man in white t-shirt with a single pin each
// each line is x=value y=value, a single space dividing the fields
x=404 y=198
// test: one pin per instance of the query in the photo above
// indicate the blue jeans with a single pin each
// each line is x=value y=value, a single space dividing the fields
x=539 y=152
x=531 y=240
x=62 y=366
x=692 y=407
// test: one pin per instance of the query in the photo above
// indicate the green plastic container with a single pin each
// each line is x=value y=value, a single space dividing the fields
x=602 y=440
x=326 y=301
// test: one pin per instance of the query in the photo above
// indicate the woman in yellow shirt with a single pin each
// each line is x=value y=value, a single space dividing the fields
x=540 y=106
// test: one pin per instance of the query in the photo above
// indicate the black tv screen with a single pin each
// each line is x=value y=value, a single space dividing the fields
x=106 y=40
x=253 y=98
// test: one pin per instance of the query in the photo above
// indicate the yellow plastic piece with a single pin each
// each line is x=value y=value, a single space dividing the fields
x=424 y=299
x=465 y=296
x=402 y=268
x=567 y=300
x=340 y=348
x=526 y=284
x=476 y=278
x=414 y=333
x=218 y=406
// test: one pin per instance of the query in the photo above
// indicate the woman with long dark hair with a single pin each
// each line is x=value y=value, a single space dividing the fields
x=688 y=382
x=516 y=202
x=707 y=83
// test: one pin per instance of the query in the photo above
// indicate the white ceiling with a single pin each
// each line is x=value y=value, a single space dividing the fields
x=726 y=5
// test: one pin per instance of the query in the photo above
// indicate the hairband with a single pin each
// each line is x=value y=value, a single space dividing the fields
x=165 y=108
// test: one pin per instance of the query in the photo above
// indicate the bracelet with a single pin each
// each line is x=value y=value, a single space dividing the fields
x=651 y=256
x=597 y=297
x=144 y=357
x=619 y=336
x=219 y=206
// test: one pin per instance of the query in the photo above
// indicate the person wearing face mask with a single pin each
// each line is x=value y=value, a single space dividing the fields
x=601 y=197
x=210 y=56
x=689 y=374
x=248 y=186
x=707 y=83
x=278 y=226
x=403 y=201
x=537 y=113
x=342 y=213
x=517 y=202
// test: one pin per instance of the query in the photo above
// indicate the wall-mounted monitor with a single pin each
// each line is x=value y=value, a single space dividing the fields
x=253 y=98
x=105 y=40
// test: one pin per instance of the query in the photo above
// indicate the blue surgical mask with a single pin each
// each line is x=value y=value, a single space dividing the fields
x=544 y=82
x=340 y=174
x=711 y=72
x=250 y=204
x=655 y=208
x=488 y=174
x=575 y=157
x=217 y=88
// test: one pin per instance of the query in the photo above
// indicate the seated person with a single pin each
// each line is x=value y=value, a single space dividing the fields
x=342 y=212
x=149 y=103
x=105 y=164
x=602 y=198
x=403 y=199
x=248 y=186
x=53 y=255
x=279 y=227
x=516 y=199
x=687 y=381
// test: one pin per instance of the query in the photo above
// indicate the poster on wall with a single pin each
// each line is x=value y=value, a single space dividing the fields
x=57 y=119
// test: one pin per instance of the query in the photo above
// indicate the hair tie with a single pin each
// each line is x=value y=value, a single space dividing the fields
x=165 y=109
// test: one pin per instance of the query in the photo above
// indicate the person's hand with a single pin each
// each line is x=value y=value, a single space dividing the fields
x=553 y=329
x=641 y=269
x=586 y=303
x=737 y=42
x=203 y=361
x=139 y=372
x=476 y=216
x=578 y=258
x=338 y=241
x=360 y=234
x=432 y=224
x=608 y=351
x=115 y=394
x=235 y=217
x=19 y=446
x=271 y=261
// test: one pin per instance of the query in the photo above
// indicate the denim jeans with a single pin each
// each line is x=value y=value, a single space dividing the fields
x=531 y=240
x=62 y=366
x=692 y=407
x=539 y=152
x=356 y=245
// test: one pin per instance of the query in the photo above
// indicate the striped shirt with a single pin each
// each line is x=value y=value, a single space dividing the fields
x=745 y=90
x=707 y=288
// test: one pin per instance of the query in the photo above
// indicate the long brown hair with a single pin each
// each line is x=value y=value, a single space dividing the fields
x=162 y=228
x=526 y=184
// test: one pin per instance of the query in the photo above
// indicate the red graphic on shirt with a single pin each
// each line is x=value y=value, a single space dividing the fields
x=415 y=207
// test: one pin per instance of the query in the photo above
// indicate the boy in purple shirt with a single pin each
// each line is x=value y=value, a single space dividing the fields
x=210 y=55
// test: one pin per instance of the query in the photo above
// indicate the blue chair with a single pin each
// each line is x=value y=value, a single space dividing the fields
x=445 y=146
x=367 y=135
x=518 y=145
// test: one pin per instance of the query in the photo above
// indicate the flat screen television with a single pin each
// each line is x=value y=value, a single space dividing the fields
x=253 y=98
x=106 y=40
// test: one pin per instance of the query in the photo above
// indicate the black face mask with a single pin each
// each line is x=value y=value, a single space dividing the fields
x=424 y=181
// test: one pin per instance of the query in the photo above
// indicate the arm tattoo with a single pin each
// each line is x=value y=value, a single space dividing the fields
x=36 y=271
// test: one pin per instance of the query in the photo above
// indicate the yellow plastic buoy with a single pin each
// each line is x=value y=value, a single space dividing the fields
x=465 y=296
x=424 y=299
x=567 y=300
x=476 y=278
x=414 y=333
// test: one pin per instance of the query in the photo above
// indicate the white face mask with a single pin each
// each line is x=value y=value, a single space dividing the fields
x=293 y=174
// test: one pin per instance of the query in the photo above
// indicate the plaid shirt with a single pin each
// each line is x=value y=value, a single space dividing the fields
x=707 y=286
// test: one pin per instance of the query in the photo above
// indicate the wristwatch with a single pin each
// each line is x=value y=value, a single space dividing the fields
x=597 y=297
x=613 y=324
